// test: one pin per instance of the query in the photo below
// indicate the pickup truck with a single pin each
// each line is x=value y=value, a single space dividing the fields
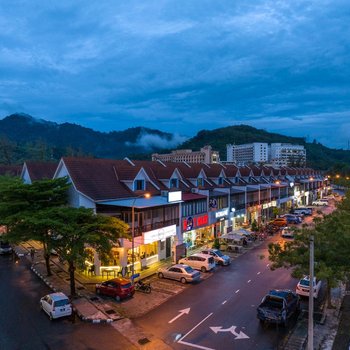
x=278 y=306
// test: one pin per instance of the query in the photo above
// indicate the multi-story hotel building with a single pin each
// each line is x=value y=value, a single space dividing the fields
x=205 y=155
x=256 y=152
x=277 y=154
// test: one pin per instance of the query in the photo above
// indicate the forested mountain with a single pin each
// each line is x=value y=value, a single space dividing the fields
x=23 y=137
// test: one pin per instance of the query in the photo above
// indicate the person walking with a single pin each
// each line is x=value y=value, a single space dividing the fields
x=32 y=254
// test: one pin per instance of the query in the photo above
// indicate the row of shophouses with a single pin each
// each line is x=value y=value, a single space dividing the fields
x=189 y=204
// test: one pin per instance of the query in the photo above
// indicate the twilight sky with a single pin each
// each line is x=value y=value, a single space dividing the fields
x=180 y=65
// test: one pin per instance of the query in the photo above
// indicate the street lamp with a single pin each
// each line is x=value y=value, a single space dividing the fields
x=145 y=195
x=310 y=338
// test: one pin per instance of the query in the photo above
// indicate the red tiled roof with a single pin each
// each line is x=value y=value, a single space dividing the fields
x=12 y=170
x=41 y=170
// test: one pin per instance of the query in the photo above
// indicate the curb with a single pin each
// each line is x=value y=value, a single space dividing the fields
x=51 y=286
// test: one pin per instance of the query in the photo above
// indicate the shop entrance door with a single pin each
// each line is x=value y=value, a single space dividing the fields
x=167 y=247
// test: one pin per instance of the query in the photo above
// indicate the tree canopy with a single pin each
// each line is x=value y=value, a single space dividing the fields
x=331 y=248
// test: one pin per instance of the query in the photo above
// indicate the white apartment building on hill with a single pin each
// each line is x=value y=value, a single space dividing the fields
x=277 y=154
x=286 y=154
x=256 y=152
x=205 y=155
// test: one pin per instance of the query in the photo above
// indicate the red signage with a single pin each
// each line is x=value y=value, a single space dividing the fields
x=194 y=222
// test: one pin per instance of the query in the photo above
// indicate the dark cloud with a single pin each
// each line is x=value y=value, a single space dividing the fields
x=180 y=66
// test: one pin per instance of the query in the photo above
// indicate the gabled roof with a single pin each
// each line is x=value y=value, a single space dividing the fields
x=100 y=179
x=245 y=171
x=40 y=170
x=11 y=170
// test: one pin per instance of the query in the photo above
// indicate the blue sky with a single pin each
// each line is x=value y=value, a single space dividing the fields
x=180 y=65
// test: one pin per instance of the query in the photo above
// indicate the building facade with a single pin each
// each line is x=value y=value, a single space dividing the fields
x=286 y=154
x=205 y=155
x=256 y=152
x=276 y=154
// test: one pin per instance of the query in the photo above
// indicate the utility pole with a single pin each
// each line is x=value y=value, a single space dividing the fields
x=310 y=338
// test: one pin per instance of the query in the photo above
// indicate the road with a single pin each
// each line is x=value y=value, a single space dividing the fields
x=23 y=326
x=220 y=312
x=227 y=299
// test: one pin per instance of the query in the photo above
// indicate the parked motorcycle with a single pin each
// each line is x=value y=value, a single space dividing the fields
x=143 y=287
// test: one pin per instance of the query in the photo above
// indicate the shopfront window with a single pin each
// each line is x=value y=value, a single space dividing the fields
x=111 y=259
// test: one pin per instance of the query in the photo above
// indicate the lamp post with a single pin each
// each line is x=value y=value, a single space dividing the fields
x=310 y=337
x=145 y=195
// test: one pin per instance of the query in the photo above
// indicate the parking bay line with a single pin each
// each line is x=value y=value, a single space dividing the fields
x=195 y=345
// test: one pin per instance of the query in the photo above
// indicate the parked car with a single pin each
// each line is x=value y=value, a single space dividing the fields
x=303 y=286
x=179 y=272
x=287 y=232
x=5 y=247
x=292 y=219
x=279 y=222
x=302 y=211
x=118 y=288
x=56 y=305
x=320 y=202
x=198 y=261
x=278 y=306
x=218 y=256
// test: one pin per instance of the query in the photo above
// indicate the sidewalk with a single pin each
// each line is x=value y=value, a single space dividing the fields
x=87 y=305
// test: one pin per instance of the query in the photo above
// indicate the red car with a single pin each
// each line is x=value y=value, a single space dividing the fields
x=118 y=288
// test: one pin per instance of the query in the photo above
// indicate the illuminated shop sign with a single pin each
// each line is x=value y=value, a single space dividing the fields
x=194 y=222
x=175 y=196
x=221 y=213
x=159 y=235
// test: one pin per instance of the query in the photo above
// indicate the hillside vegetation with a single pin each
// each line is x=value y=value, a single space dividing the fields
x=23 y=137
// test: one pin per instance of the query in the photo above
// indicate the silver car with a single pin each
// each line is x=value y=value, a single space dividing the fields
x=179 y=272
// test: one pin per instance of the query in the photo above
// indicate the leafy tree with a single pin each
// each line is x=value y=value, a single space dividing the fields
x=331 y=248
x=77 y=228
x=23 y=209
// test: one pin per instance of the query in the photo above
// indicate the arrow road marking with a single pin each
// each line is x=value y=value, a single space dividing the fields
x=182 y=312
x=232 y=329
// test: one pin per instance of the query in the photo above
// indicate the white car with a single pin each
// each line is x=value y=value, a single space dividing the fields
x=320 y=202
x=56 y=305
x=303 y=286
x=287 y=232
x=202 y=262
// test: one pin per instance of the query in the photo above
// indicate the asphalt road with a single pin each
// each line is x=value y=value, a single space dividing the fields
x=23 y=326
x=228 y=299
x=222 y=308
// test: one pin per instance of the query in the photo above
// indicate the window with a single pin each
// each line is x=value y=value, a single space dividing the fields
x=139 y=185
x=174 y=183
x=200 y=182
x=220 y=180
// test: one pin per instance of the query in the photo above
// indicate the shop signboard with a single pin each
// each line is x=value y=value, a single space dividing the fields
x=174 y=196
x=191 y=223
x=221 y=213
x=159 y=234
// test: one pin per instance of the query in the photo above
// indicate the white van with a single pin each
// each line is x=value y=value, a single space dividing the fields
x=56 y=305
x=202 y=262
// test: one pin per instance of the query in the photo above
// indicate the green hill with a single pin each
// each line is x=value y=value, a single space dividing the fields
x=317 y=155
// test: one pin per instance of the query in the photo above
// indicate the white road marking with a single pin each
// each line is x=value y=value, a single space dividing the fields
x=182 y=312
x=249 y=281
x=258 y=273
x=195 y=345
x=224 y=302
x=237 y=291
x=267 y=265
